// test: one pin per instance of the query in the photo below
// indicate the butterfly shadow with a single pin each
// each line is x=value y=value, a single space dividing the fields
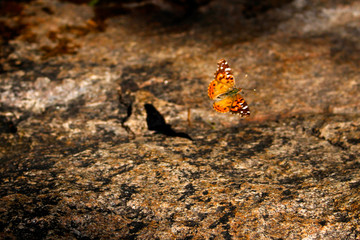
x=156 y=122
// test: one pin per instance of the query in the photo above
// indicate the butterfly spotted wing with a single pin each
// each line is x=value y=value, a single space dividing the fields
x=223 y=82
x=234 y=104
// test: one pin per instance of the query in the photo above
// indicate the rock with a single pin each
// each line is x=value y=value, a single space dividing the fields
x=107 y=132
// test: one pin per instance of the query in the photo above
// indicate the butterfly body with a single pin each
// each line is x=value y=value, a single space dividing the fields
x=226 y=96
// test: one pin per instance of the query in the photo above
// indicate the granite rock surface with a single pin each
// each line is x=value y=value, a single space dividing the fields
x=107 y=132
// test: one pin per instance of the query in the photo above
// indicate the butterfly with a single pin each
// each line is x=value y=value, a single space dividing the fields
x=222 y=89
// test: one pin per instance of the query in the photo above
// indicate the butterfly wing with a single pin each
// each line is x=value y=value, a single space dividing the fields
x=234 y=104
x=223 y=82
x=239 y=106
x=223 y=105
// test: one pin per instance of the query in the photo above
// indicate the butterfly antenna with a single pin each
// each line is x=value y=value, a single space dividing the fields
x=248 y=89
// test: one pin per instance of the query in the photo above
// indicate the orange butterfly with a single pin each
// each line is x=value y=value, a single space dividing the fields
x=222 y=89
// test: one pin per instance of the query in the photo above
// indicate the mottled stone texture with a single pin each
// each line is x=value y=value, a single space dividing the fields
x=107 y=132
